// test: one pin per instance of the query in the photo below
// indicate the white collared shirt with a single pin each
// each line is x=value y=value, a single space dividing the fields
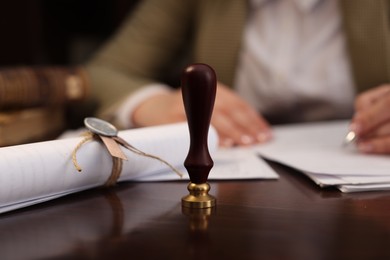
x=293 y=65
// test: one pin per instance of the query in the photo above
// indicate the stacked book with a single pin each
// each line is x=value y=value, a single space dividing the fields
x=33 y=101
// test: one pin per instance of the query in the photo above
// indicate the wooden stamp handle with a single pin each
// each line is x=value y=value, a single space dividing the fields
x=199 y=86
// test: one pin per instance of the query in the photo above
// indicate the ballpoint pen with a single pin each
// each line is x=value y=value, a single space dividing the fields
x=350 y=138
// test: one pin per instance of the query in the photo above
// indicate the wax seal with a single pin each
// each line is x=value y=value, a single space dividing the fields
x=100 y=127
x=109 y=136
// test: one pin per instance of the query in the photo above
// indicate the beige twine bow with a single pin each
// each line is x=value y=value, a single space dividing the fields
x=117 y=163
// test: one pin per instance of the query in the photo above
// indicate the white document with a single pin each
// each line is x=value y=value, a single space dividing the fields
x=229 y=164
x=317 y=150
x=38 y=172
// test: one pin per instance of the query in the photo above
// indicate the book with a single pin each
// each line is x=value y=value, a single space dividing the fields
x=22 y=87
x=31 y=125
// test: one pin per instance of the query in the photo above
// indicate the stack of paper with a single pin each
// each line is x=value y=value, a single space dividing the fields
x=317 y=150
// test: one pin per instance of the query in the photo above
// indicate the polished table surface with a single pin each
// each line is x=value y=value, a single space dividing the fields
x=289 y=218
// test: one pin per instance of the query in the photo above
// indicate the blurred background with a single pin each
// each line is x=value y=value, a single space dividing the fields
x=41 y=44
x=57 y=32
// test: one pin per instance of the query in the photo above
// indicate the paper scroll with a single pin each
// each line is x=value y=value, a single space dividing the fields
x=37 y=172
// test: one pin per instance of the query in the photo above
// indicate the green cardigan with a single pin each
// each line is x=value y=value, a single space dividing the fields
x=163 y=35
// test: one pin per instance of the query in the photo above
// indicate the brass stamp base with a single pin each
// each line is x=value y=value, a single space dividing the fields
x=198 y=218
x=199 y=197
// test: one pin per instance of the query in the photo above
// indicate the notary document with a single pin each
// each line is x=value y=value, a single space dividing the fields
x=317 y=150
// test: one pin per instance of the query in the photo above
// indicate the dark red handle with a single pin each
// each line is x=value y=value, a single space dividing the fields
x=199 y=86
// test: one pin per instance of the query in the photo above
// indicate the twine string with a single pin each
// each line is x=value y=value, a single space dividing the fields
x=117 y=163
x=88 y=136
x=139 y=152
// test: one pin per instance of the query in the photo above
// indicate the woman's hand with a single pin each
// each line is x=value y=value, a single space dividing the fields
x=371 y=121
x=236 y=122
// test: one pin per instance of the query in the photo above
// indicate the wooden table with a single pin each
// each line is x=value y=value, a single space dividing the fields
x=289 y=218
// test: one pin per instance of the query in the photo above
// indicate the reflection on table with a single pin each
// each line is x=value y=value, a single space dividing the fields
x=289 y=218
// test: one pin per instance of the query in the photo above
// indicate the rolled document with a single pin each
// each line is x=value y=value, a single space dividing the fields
x=37 y=172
